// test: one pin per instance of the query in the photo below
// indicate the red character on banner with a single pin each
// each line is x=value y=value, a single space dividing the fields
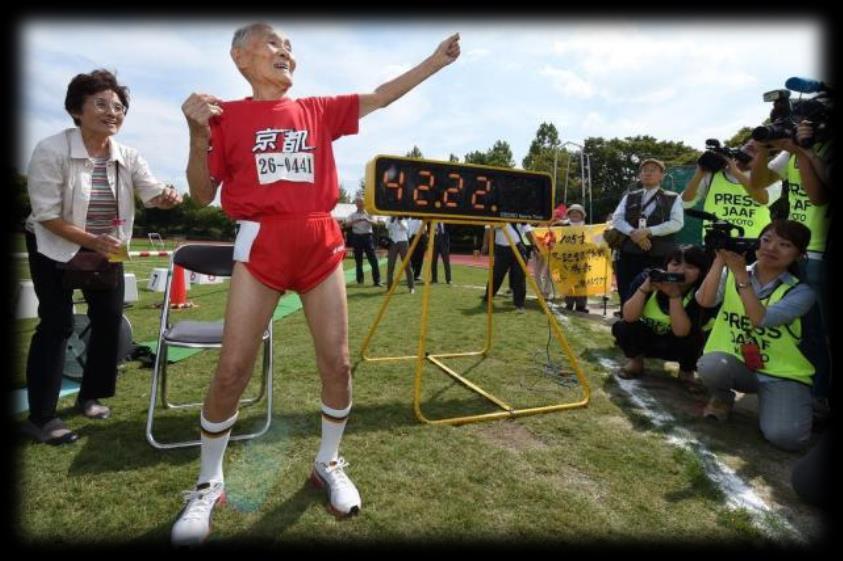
x=548 y=240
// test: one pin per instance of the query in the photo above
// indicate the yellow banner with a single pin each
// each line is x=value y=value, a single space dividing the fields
x=580 y=261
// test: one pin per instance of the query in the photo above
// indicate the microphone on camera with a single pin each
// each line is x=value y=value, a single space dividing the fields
x=805 y=85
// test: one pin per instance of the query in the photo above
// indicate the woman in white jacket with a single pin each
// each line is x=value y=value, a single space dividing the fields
x=82 y=186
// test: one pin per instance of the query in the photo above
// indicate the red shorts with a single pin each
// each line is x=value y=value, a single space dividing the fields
x=290 y=252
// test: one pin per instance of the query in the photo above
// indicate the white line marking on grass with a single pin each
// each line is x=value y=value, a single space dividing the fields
x=738 y=494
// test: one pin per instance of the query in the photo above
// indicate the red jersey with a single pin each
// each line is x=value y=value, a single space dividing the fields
x=275 y=157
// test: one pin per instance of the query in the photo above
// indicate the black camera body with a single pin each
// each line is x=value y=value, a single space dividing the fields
x=719 y=236
x=786 y=116
x=660 y=275
x=715 y=156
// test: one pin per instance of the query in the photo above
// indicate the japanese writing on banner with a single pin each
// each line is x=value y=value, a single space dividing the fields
x=580 y=261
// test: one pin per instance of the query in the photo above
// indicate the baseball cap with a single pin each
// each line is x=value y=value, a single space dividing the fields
x=652 y=161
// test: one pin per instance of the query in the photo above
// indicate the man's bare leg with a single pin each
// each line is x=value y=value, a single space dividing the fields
x=327 y=316
x=248 y=311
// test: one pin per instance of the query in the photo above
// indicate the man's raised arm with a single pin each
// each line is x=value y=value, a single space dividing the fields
x=446 y=53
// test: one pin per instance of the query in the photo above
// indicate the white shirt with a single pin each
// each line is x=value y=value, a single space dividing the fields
x=671 y=226
x=362 y=224
x=778 y=165
x=500 y=237
x=414 y=224
x=59 y=186
x=398 y=230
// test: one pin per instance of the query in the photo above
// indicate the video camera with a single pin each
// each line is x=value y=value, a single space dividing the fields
x=787 y=114
x=719 y=234
x=715 y=156
x=660 y=275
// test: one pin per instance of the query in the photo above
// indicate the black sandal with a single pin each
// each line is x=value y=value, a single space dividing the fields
x=54 y=432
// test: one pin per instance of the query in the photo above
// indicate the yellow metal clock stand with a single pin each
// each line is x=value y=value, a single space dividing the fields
x=507 y=410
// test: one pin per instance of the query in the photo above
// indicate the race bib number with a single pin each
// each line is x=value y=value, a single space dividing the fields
x=289 y=166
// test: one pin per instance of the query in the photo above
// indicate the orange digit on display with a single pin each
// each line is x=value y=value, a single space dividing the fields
x=481 y=192
x=397 y=185
x=454 y=190
x=423 y=187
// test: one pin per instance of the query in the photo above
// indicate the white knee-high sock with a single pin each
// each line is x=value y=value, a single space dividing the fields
x=333 y=425
x=214 y=442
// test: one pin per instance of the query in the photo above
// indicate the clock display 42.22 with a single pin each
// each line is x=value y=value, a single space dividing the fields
x=450 y=190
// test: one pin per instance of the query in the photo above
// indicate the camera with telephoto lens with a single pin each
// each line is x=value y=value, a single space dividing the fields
x=716 y=156
x=787 y=114
x=660 y=275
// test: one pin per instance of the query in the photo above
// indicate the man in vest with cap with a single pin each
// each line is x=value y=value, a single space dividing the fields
x=649 y=217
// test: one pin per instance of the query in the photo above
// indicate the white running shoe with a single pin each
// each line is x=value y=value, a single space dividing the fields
x=194 y=523
x=343 y=495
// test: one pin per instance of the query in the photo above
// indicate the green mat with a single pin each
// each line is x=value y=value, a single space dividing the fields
x=288 y=304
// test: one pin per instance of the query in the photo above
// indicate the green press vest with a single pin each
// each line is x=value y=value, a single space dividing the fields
x=655 y=318
x=802 y=210
x=731 y=202
x=779 y=344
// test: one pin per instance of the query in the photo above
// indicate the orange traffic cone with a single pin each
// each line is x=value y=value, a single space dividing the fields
x=178 y=289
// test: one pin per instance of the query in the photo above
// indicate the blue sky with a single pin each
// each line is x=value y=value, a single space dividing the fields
x=683 y=80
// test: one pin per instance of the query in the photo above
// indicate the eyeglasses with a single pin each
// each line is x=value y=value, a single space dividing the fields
x=102 y=106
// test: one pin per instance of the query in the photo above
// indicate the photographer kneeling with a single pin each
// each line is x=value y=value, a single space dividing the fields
x=754 y=346
x=661 y=318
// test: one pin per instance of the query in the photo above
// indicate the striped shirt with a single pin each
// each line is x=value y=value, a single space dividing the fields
x=102 y=209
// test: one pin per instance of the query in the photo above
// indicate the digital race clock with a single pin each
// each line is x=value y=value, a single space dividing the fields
x=397 y=186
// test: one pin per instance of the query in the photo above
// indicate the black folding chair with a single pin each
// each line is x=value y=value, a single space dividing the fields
x=208 y=259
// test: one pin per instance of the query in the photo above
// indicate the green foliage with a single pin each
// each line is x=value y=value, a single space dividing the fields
x=614 y=166
x=500 y=155
x=415 y=153
x=540 y=154
x=188 y=219
x=344 y=196
x=740 y=138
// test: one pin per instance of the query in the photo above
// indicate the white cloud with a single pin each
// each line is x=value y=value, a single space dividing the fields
x=568 y=83
x=476 y=54
x=654 y=96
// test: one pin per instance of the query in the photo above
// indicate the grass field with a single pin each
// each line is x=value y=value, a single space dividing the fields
x=604 y=474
